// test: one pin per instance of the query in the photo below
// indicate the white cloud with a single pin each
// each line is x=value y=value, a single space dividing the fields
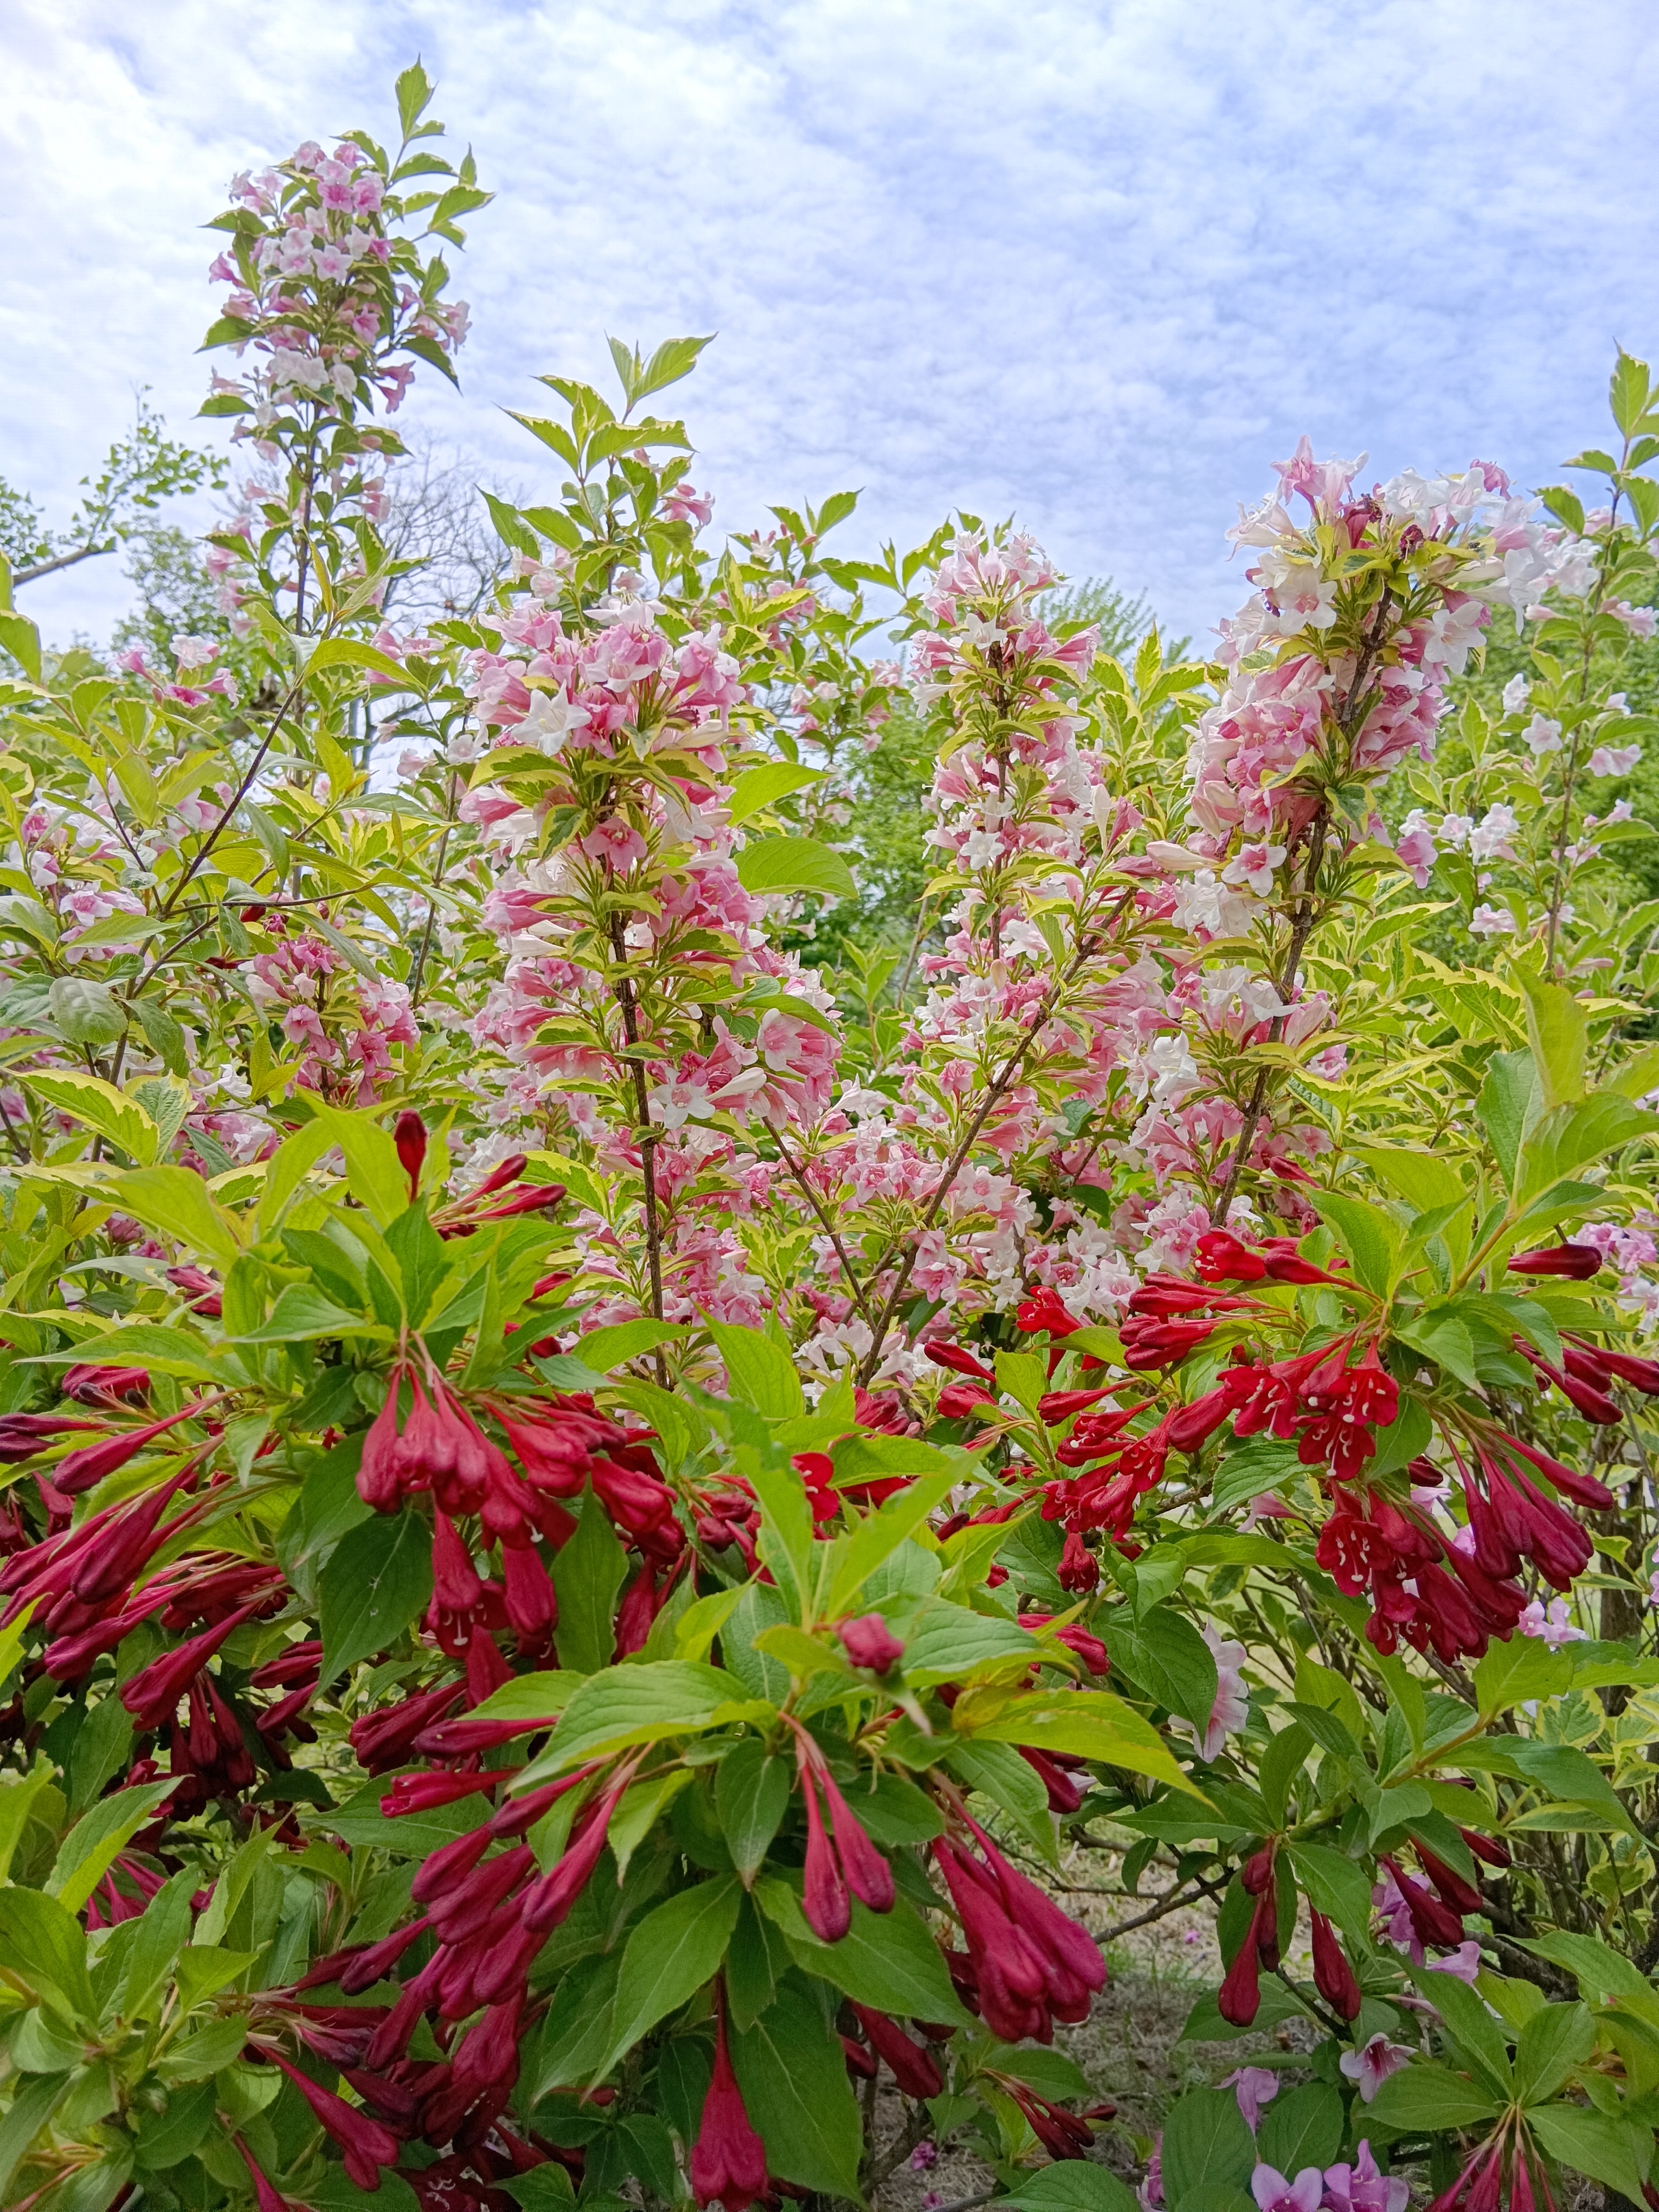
x=1099 y=264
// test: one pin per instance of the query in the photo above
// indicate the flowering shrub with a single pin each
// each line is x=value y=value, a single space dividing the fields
x=599 y=1510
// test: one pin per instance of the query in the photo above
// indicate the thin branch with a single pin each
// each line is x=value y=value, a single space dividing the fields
x=60 y=560
x=860 y=1298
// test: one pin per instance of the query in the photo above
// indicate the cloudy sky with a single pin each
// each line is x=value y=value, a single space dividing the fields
x=1097 y=262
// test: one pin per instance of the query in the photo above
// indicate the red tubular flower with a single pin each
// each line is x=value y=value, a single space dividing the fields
x=1638 y=1373
x=1162 y=1298
x=825 y=1900
x=549 y=1901
x=386 y=1739
x=1190 y=1427
x=728 y=2159
x=1486 y=1848
x=376 y=1962
x=958 y=1401
x=1046 y=1308
x=1432 y=1921
x=80 y=1469
x=463 y=1909
x=91 y=1385
x=456 y=1586
x=911 y=2065
x=520 y=1814
x=463 y=1737
x=154 y=1692
x=420 y=1793
x=533 y=1609
x=1057 y=1406
x=1459 y=1895
x=203 y=1294
x=960 y=1361
x=1333 y=1977
x=1240 y=1998
x=365 y=2143
x=1223 y=1258
x=1150 y=1344
x=1576 y=1262
x=266 y=2195
x=861 y=2060
x=1078 y=1568
x=868 y=1642
x=1583 y=1489
x=1008 y=1974
x=380 y=1470
x=868 y=1875
x=23 y=1434
x=449 y=1865
x=1061 y=2134
x=408 y=1136
x=1064 y=1795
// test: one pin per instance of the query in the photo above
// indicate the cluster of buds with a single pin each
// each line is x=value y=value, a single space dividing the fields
x=464 y=1217
x=1026 y=1964
x=841 y=1862
x=489 y=1911
x=1480 y=2186
x=1240 y=1996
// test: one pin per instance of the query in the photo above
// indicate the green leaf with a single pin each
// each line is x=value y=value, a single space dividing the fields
x=1552 y=2042
x=166 y=2139
x=751 y=1795
x=1572 y=1776
x=1071 y=2185
x=511 y=527
x=671 y=1952
x=122 y=1121
x=353 y=652
x=793 y=2074
x=606 y=1349
x=1628 y=391
x=1301 y=2129
x=1206 y=2145
x=1425 y=2099
x=1371 y=1238
x=31 y=2111
x=19 y=1797
x=1558 y=1034
x=1465 y=2015
x=1090 y=1724
x=20 y=637
x=1573 y=1136
x=759 y=787
x=1523 y=1668
x=376 y=1584
x=374 y=1174
x=304 y=1315
x=1615 y=2152
x=1600 y=1971
x=46 y=1947
x=588 y=1573
x=795 y=864
x=87 y=1852
x=1509 y=1105
x=1335 y=1886
x=761 y=1372
x=178 y=1205
x=1166 y=1655
x=627 y=1706
x=886 y=1960
x=853 y=1558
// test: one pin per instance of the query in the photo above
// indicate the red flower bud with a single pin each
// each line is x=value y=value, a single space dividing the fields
x=825 y=1900
x=868 y=1642
x=82 y=1468
x=1240 y=1991
x=409 y=1134
x=1461 y=1896
x=1223 y=1258
x=962 y=1362
x=1333 y=1977
x=728 y=2159
x=1576 y=1262
x=915 y=2068
x=91 y=1385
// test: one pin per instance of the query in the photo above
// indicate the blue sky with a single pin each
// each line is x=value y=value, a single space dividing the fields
x=1097 y=262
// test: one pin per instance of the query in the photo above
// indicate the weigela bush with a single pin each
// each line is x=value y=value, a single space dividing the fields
x=601 y=1513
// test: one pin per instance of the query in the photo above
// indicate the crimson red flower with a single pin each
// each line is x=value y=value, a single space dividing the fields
x=962 y=1362
x=911 y=2064
x=1333 y=1977
x=868 y=1642
x=1576 y=1262
x=728 y=2159
x=408 y=1136
x=1046 y=1308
